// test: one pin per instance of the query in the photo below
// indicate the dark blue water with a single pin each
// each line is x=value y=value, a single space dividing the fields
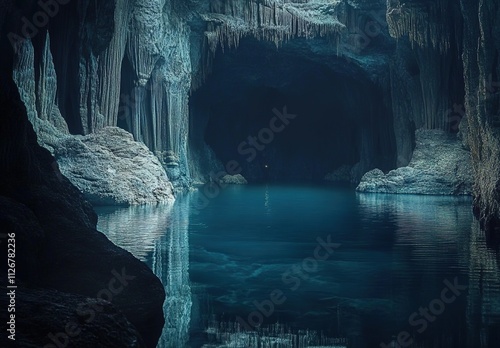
x=288 y=266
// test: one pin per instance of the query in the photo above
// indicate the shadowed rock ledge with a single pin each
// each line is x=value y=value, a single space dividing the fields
x=109 y=329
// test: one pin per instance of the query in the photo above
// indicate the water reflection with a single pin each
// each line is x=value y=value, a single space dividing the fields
x=135 y=228
x=396 y=251
x=171 y=265
x=158 y=235
x=428 y=235
x=483 y=300
x=267 y=204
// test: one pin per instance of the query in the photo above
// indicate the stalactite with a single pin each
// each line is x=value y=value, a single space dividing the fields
x=90 y=117
x=139 y=129
x=423 y=25
x=38 y=96
x=270 y=20
x=177 y=100
x=158 y=111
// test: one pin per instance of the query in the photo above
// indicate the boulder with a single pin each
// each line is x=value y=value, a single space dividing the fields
x=110 y=168
x=237 y=179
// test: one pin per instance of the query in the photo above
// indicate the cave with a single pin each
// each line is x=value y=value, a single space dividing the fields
x=250 y=173
x=286 y=116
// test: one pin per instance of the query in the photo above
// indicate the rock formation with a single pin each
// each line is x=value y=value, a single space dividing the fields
x=462 y=44
x=58 y=247
x=237 y=179
x=110 y=168
x=482 y=108
x=440 y=166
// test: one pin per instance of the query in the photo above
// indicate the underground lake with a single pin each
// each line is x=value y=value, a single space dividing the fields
x=270 y=265
x=250 y=173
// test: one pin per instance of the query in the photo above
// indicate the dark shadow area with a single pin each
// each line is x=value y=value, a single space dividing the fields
x=285 y=116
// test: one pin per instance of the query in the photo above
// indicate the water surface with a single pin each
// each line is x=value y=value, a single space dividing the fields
x=303 y=266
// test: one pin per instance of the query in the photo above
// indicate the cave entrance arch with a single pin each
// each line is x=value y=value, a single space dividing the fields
x=336 y=115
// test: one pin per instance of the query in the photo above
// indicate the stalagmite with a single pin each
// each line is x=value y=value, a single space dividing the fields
x=47 y=83
x=24 y=77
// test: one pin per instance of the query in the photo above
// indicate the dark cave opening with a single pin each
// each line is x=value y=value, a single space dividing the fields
x=336 y=115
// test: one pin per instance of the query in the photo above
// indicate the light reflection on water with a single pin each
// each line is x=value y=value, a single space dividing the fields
x=395 y=253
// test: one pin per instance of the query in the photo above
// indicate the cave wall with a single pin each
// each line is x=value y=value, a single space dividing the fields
x=426 y=69
x=63 y=264
x=482 y=104
x=135 y=63
x=100 y=64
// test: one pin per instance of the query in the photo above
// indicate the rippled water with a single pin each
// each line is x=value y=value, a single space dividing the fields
x=284 y=266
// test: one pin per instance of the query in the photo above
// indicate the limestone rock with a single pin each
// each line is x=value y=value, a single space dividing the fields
x=237 y=179
x=110 y=168
x=440 y=165
x=482 y=110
